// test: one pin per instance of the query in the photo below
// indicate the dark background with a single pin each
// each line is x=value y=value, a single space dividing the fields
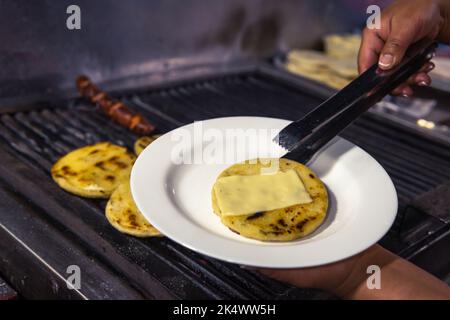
x=40 y=56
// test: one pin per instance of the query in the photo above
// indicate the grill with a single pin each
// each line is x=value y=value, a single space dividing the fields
x=55 y=229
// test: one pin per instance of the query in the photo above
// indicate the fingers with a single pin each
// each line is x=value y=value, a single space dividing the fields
x=401 y=36
x=421 y=79
x=371 y=46
x=427 y=67
x=403 y=90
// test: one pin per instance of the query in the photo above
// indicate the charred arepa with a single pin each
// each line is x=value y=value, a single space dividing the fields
x=281 y=206
x=143 y=142
x=122 y=214
x=93 y=171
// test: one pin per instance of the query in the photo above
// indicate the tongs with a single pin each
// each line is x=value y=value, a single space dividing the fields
x=304 y=137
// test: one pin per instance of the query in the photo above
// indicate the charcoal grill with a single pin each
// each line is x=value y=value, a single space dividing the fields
x=43 y=229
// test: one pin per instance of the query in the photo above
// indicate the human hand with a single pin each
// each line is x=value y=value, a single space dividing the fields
x=402 y=24
x=340 y=277
x=399 y=279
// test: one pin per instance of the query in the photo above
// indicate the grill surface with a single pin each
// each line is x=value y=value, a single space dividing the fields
x=31 y=141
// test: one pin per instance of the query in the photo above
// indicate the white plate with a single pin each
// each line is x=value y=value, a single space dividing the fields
x=176 y=198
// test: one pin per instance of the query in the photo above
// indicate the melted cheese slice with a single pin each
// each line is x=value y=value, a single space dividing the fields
x=242 y=195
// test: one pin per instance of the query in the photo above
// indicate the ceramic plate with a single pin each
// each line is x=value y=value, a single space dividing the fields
x=172 y=179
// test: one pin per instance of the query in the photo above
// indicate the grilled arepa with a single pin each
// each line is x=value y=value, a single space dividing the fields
x=283 y=224
x=93 y=171
x=143 y=142
x=122 y=213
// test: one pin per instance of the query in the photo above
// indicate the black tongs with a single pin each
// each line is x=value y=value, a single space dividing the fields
x=304 y=137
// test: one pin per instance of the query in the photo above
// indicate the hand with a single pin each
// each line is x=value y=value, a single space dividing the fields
x=402 y=24
x=348 y=278
x=339 y=278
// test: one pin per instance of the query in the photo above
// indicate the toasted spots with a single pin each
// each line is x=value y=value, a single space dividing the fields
x=94 y=151
x=143 y=142
x=234 y=231
x=93 y=171
x=255 y=216
x=282 y=224
x=122 y=213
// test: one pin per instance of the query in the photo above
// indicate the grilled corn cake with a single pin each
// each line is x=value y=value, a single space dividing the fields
x=93 y=171
x=279 y=224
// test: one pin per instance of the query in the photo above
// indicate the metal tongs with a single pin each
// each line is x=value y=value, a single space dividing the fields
x=304 y=137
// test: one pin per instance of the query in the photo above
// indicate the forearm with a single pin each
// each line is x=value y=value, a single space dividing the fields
x=399 y=279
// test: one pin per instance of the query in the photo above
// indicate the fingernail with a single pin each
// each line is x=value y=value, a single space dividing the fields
x=386 y=60
x=423 y=83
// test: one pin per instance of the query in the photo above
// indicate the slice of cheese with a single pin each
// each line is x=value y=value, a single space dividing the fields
x=241 y=195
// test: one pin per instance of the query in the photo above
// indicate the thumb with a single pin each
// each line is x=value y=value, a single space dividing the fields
x=398 y=41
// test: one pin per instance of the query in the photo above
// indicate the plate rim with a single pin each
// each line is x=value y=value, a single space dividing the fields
x=217 y=239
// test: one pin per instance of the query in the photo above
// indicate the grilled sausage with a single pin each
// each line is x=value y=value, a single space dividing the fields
x=114 y=109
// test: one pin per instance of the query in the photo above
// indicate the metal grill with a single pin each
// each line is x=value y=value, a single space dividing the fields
x=416 y=164
x=158 y=267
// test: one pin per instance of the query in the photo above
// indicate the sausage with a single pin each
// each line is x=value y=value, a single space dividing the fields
x=114 y=109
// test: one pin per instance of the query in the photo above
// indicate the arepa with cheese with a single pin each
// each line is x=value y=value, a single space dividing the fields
x=307 y=200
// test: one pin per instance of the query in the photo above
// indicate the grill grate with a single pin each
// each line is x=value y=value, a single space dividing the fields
x=39 y=137
x=416 y=164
